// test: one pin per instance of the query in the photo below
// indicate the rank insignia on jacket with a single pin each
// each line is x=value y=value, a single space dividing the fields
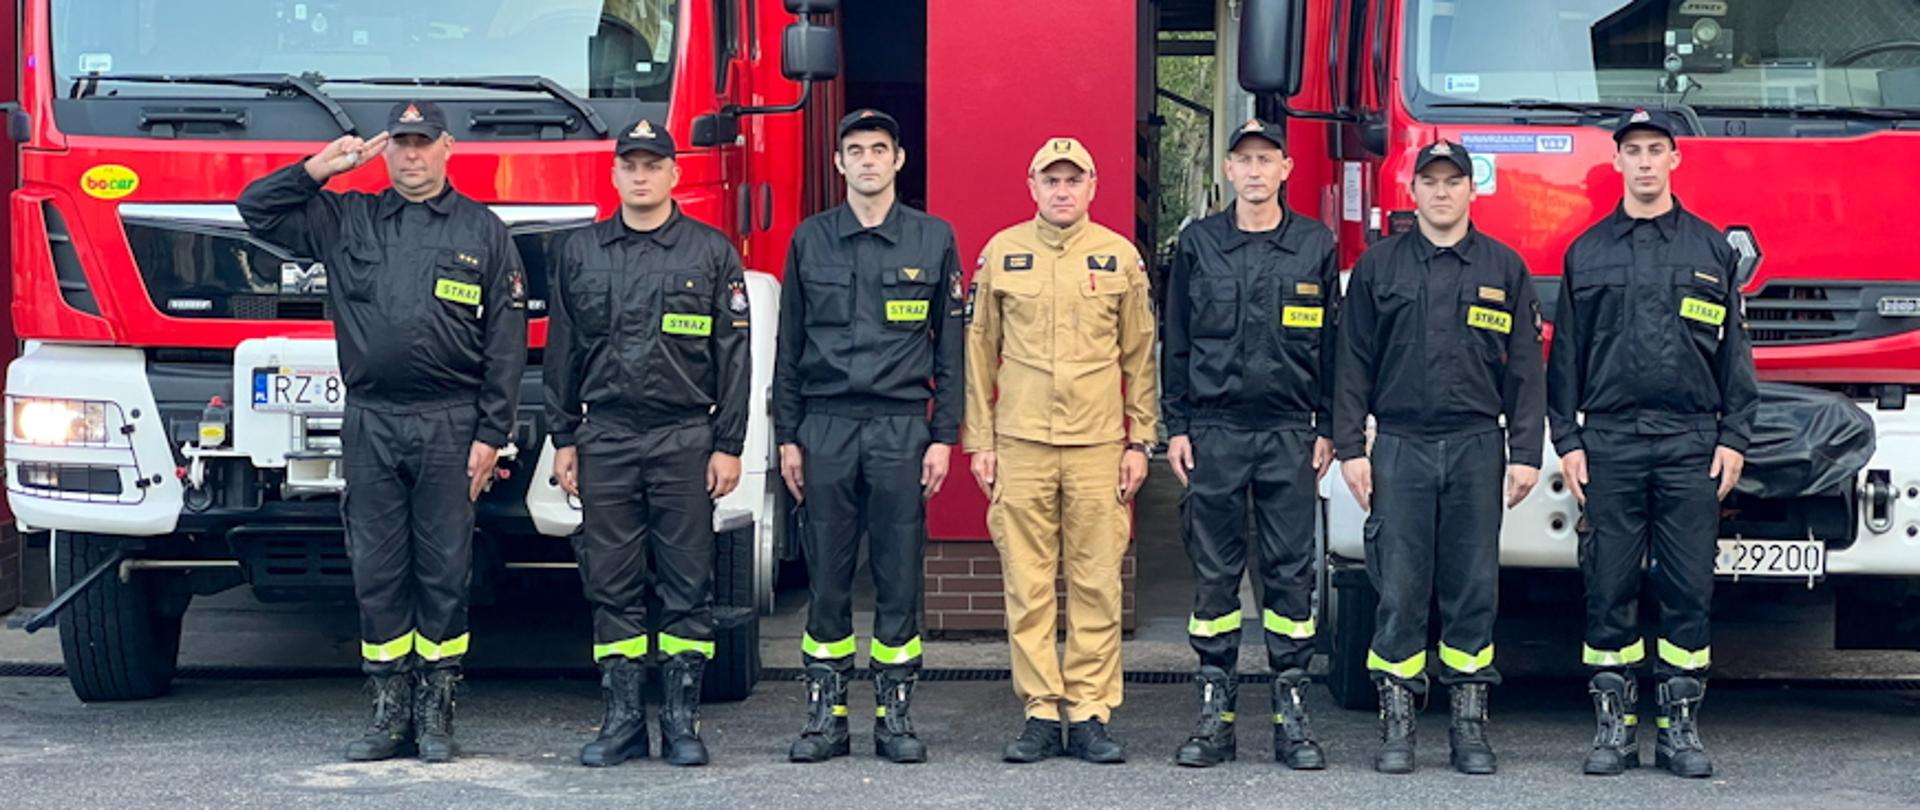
x=737 y=297
x=1103 y=263
x=467 y=259
x=1306 y=288
x=910 y=273
x=1494 y=294
x=1017 y=261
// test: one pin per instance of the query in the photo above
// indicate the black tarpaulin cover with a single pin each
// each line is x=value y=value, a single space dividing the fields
x=1806 y=442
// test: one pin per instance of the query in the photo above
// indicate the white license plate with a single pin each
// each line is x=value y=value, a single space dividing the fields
x=299 y=390
x=1771 y=558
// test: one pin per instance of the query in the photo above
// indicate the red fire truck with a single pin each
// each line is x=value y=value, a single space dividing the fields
x=140 y=296
x=1804 y=136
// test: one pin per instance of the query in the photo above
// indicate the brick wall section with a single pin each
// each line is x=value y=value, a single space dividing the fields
x=9 y=569
x=965 y=596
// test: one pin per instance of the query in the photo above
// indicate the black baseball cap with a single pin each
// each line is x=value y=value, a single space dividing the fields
x=869 y=119
x=1650 y=120
x=643 y=136
x=1448 y=151
x=417 y=118
x=1256 y=128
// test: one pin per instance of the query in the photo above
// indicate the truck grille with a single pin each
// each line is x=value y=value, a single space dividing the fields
x=1790 y=312
x=279 y=308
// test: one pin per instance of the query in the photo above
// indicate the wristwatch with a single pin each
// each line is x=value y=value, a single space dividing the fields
x=1143 y=448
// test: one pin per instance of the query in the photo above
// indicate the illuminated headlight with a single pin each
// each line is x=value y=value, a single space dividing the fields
x=57 y=421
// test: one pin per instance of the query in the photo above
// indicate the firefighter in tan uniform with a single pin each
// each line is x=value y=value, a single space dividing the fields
x=1061 y=325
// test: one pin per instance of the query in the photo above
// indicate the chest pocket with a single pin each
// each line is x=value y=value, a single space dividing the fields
x=908 y=294
x=1700 y=296
x=456 y=284
x=357 y=273
x=1599 y=293
x=1303 y=312
x=687 y=306
x=589 y=300
x=1395 y=309
x=1216 y=307
x=1487 y=311
x=829 y=296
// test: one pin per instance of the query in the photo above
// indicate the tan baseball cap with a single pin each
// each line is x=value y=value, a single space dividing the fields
x=1056 y=150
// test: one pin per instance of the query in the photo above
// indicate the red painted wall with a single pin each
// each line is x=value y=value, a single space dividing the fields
x=1002 y=77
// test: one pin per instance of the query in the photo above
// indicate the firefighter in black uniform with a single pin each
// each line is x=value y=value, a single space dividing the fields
x=1439 y=341
x=1651 y=348
x=872 y=317
x=647 y=375
x=1246 y=378
x=429 y=310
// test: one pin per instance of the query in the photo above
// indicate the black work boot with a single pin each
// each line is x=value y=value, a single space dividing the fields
x=825 y=735
x=1616 y=741
x=623 y=731
x=892 y=726
x=1679 y=748
x=1293 y=743
x=1397 y=726
x=1088 y=740
x=433 y=706
x=391 y=732
x=1212 y=741
x=1038 y=740
x=680 y=740
x=1467 y=737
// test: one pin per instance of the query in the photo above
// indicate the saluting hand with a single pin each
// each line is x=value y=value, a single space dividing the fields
x=345 y=154
x=1727 y=464
x=480 y=462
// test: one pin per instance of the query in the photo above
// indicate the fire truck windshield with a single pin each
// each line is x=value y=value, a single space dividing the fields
x=1834 y=58
x=611 y=49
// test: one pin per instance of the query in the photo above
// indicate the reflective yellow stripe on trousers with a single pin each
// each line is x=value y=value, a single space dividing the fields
x=390 y=651
x=446 y=649
x=1283 y=626
x=1208 y=628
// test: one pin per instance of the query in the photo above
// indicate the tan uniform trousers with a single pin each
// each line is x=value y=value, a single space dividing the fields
x=1052 y=503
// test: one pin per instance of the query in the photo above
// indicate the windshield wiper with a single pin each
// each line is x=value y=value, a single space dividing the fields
x=1590 y=109
x=1819 y=111
x=306 y=85
x=531 y=84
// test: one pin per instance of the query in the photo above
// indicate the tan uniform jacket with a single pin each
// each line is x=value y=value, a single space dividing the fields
x=1061 y=324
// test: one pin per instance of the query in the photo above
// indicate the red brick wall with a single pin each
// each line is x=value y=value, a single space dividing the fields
x=965 y=595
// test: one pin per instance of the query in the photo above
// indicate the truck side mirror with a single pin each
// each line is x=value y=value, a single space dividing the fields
x=716 y=129
x=809 y=53
x=1272 y=43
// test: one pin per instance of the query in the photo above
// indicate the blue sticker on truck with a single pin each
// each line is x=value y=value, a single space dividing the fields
x=1517 y=143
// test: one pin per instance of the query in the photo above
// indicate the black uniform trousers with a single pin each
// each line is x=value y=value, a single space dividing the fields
x=862 y=475
x=1435 y=526
x=1649 y=493
x=409 y=533
x=647 y=521
x=1273 y=468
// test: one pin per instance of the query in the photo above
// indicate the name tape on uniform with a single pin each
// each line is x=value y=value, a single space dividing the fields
x=1711 y=314
x=1303 y=317
x=459 y=292
x=674 y=323
x=902 y=311
x=1490 y=319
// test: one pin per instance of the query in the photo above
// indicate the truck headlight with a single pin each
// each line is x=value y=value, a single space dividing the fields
x=35 y=420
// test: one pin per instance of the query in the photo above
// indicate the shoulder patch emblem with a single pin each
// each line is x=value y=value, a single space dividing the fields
x=517 y=289
x=973 y=291
x=958 y=290
x=737 y=297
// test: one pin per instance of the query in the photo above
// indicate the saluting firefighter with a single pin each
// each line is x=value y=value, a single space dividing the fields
x=872 y=315
x=647 y=372
x=429 y=312
x=1652 y=397
x=1063 y=329
x=1246 y=381
x=1439 y=342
